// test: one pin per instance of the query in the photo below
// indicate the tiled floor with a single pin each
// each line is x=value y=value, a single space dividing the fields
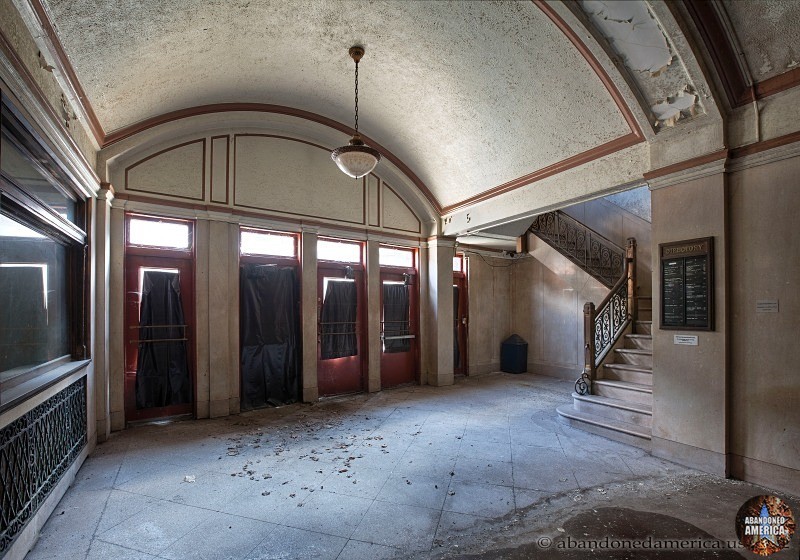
x=399 y=473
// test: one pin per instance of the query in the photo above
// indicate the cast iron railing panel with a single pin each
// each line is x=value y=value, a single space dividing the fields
x=35 y=451
x=595 y=254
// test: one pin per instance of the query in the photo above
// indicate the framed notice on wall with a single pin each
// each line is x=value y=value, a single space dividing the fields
x=687 y=285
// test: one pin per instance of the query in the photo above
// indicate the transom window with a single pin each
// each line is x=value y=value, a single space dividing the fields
x=160 y=233
x=267 y=243
x=458 y=263
x=396 y=256
x=338 y=251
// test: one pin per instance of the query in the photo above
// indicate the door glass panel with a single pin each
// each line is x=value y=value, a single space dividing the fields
x=338 y=336
x=162 y=367
x=456 y=353
x=396 y=325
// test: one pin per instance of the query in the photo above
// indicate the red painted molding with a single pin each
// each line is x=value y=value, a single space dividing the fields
x=47 y=26
x=778 y=83
x=687 y=164
x=261 y=215
x=133 y=129
x=764 y=145
x=597 y=152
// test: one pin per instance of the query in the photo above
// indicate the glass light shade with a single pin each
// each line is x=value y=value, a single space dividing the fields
x=356 y=159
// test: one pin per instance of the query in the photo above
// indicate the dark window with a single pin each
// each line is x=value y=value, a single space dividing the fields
x=42 y=264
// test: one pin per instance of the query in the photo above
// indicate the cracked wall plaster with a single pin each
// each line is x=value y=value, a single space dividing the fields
x=635 y=35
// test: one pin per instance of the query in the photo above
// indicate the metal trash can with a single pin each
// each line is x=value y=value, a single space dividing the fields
x=514 y=355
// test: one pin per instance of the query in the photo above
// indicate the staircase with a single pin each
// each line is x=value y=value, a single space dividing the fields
x=620 y=405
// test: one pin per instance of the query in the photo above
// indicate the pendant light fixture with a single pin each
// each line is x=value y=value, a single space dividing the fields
x=356 y=159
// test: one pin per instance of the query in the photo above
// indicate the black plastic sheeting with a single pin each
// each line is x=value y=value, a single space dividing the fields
x=268 y=332
x=338 y=321
x=396 y=318
x=456 y=353
x=162 y=368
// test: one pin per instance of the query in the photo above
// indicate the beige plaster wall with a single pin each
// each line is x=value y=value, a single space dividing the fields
x=690 y=382
x=489 y=288
x=617 y=225
x=765 y=391
x=548 y=293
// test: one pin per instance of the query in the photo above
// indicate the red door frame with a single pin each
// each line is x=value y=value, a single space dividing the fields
x=132 y=307
x=152 y=257
x=461 y=322
x=339 y=376
x=392 y=365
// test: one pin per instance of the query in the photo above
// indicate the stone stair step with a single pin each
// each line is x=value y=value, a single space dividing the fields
x=632 y=434
x=627 y=372
x=624 y=390
x=644 y=327
x=616 y=409
x=645 y=314
x=634 y=356
x=639 y=341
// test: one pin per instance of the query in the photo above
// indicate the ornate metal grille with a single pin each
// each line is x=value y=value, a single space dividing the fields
x=35 y=450
x=588 y=249
x=611 y=318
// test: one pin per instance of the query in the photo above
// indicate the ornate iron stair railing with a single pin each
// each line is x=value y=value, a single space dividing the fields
x=604 y=325
x=595 y=254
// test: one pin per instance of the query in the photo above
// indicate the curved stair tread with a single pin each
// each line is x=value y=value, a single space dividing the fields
x=608 y=423
x=639 y=408
x=629 y=367
x=634 y=351
x=630 y=385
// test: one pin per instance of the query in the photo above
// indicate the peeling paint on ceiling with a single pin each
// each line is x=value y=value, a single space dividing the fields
x=769 y=34
x=633 y=32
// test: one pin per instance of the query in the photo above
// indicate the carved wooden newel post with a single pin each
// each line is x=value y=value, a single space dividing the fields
x=630 y=263
x=584 y=383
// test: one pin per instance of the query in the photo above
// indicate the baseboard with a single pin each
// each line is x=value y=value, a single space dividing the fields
x=570 y=373
x=769 y=475
x=690 y=456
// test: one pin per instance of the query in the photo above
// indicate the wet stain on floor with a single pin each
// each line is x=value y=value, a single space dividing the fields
x=621 y=533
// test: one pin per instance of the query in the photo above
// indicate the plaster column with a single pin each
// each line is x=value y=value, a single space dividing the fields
x=440 y=310
x=690 y=383
x=102 y=246
x=373 y=326
x=116 y=319
x=202 y=391
x=234 y=353
x=218 y=340
x=308 y=250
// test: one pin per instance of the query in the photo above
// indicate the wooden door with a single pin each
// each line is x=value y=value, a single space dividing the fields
x=343 y=371
x=399 y=356
x=460 y=323
x=135 y=268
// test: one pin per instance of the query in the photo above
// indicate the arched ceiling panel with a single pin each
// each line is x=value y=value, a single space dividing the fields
x=470 y=95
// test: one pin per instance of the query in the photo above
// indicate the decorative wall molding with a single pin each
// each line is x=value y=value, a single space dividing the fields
x=686 y=164
x=202 y=197
x=769 y=154
x=709 y=169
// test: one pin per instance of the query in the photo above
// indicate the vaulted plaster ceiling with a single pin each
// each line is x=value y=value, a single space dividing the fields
x=469 y=95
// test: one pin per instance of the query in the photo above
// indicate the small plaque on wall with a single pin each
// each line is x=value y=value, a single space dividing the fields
x=687 y=285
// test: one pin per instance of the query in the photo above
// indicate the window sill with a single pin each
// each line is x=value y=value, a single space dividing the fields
x=24 y=391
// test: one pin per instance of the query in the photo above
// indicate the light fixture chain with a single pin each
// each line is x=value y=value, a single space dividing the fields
x=356 y=96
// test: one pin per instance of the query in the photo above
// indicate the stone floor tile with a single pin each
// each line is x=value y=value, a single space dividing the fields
x=361 y=482
x=288 y=543
x=358 y=550
x=415 y=491
x=102 y=550
x=220 y=537
x=329 y=513
x=397 y=525
x=488 y=471
x=484 y=500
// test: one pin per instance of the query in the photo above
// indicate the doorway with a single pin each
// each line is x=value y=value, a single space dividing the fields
x=159 y=331
x=341 y=350
x=399 y=328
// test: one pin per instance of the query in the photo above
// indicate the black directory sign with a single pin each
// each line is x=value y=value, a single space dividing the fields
x=687 y=284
